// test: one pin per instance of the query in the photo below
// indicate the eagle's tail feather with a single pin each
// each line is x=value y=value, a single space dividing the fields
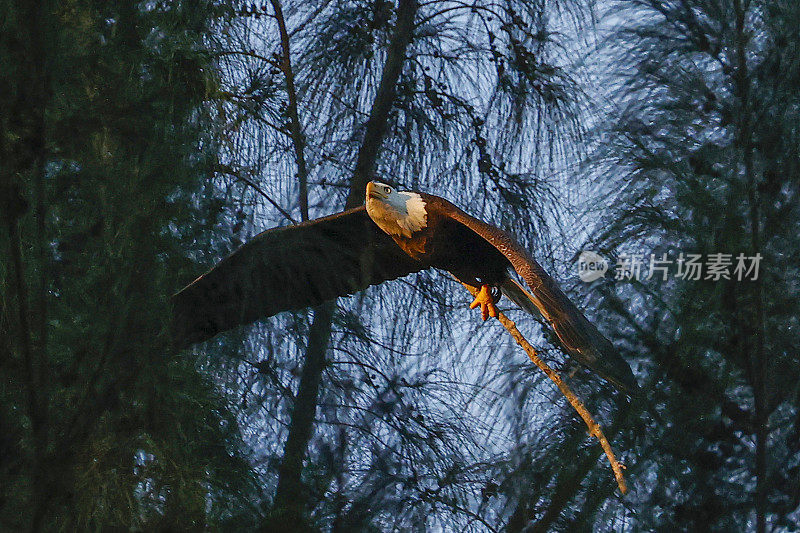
x=578 y=336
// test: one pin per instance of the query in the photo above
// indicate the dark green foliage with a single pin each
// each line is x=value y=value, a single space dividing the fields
x=107 y=136
x=707 y=143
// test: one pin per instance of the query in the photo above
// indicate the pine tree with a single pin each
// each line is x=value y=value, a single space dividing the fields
x=704 y=154
x=108 y=144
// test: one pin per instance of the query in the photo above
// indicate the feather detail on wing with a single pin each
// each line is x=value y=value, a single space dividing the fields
x=579 y=337
x=519 y=295
x=289 y=268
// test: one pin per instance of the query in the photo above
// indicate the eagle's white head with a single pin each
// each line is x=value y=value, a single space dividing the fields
x=396 y=212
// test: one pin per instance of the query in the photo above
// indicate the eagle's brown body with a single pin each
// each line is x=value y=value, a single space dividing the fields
x=449 y=245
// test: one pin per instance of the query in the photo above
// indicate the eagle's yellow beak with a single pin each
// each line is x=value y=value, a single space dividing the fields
x=373 y=191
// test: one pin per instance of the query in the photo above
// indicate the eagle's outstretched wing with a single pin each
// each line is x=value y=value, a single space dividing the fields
x=289 y=268
x=578 y=336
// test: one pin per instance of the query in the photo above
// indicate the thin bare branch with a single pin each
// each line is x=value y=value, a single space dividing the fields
x=574 y=401
x=232 y=172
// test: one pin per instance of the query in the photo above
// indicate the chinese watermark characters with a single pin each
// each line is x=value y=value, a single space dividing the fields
x=686 y=266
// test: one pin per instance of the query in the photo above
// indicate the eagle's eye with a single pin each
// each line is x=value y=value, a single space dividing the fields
x=388 y=189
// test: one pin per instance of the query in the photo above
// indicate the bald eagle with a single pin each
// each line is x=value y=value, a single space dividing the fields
x=395 y=234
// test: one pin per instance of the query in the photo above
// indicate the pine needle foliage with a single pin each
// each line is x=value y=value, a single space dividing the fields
x=108 y=141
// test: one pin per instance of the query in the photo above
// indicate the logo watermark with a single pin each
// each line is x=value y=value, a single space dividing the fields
x=591 y=266
x=692 y=267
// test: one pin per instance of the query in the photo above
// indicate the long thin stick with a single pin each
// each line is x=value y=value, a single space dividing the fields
x=574 y=401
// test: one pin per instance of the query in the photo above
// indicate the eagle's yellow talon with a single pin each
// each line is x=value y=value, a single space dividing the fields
x=486 y=301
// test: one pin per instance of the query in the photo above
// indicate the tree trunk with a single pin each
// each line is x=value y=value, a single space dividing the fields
x=296 y=129
x=384 y=98
x=758 y=362
x=290 y=498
